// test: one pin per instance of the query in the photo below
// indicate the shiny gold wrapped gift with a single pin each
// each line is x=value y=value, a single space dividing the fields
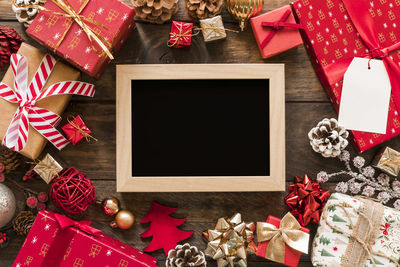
x=230 y=241
x=388 y=161
x=47 y=168
x=212 y=29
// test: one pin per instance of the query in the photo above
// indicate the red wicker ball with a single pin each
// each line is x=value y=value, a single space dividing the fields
x=72 y=191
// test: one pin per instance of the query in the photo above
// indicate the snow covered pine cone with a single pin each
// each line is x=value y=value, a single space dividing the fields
x=185 y=256
x=328 y=138
x=24 y=14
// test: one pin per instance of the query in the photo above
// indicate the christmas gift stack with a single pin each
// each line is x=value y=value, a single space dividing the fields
x=336 y=31
x=93 y=28
x=33 y=93
x=357 y=232
x=56 y=240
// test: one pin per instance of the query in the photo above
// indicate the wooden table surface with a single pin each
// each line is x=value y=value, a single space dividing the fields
x=306 y=104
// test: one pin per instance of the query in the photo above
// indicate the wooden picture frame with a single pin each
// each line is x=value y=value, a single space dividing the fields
x=128 y=73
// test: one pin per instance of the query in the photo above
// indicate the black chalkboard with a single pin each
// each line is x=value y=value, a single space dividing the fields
x=200 y=128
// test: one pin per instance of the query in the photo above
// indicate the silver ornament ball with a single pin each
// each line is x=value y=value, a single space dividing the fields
x=7 y=205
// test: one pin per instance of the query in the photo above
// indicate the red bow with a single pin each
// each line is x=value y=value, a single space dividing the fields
x=278 y=25
x=365 y=25
x=306 y=200
x=65 y=222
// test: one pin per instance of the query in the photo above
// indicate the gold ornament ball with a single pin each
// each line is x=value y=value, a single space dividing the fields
x=125 y=219
x=243 y=10
x=110 y=206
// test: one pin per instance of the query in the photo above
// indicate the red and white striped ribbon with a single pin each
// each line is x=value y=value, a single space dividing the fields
x=42 y=120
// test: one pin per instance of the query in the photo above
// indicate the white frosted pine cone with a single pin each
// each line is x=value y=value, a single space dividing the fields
x=328 y=138
x=185 y=256
x=24 y=14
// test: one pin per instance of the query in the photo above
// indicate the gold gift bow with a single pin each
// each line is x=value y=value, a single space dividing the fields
x=70 y=12
x=288 y=233
x=85 y=134
x=367 y=247
x=180 y=35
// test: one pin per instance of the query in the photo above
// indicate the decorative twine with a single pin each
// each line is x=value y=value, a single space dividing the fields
x=367 y=248
x=72 y=191
x=87 y=136
x=180 y=35
x=70 y=12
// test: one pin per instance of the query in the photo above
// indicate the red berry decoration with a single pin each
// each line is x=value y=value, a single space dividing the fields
x=42 y=197
x=10 y=41
x=31 y=202
x=41 y=206
x=72 y=191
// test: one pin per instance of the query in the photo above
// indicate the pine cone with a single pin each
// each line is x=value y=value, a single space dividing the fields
x=23 y=222
x=10 y=159
x=26 y=15
x=185 y=256
x=155 y=11
x=203 y=9
x=10 y=42
x=328 y=138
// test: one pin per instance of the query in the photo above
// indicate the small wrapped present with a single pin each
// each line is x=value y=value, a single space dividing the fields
x=212 y=29
x=56 y=240
x=181 y=34
x=88 y=40
x=46 y=87
x=388 y=161
x=276 y=31
x=283 y=240
x=47 y=168
x=76 y=130
x=357 y=232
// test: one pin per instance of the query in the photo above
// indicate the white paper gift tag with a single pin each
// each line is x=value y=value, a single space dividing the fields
x=364 y=102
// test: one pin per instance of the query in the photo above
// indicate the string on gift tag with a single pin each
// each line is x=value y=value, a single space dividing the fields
x=189 y=33
x=87 y=136
x=70 y=12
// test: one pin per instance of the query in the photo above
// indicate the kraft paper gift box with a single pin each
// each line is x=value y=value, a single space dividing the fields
x=282 y=38
x=61 y=72
x=346 y=219
x=114 y=21
x=57 y=241
x=331 y=37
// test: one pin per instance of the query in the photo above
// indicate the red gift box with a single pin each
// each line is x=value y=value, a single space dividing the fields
x=57 y=241
x=276 y=31
x=332 y=39
x=292 y=256
x=181 y=34
x=66 y=38
x=76 y=130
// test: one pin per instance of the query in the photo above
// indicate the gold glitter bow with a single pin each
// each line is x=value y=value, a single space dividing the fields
x=288 y=233
x=230 y=240
x=47 y=168
x=82 y=21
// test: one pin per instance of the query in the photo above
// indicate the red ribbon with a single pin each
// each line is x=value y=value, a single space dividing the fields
x=365 y=25
x=278 y=25
x=306 y=200
x=64 y=222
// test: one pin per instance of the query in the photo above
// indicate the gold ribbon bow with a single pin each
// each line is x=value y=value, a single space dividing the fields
x=288 y=233
x=70 y=12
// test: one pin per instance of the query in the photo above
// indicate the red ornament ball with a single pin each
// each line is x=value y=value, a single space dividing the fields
x=42 y=197
x=31 y=202
x=72 y=191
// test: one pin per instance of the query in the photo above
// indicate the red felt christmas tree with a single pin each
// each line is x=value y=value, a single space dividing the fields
x=163 y=228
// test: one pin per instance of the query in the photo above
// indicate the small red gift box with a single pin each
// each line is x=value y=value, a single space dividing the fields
x=76 y=130
x=181 y=34
x=276 y=31
x=111 y=20
x=292 y=256
x=332 y=40
x=58 y=241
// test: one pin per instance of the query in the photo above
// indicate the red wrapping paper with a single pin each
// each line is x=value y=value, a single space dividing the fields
x=292 y=256
x=47 y=244
x=73 y=134
x=48 y=29
x=181 y=34
x=283 y=39
x=331 y=37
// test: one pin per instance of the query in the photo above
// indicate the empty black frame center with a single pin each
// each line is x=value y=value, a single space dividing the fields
x=200 y=128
